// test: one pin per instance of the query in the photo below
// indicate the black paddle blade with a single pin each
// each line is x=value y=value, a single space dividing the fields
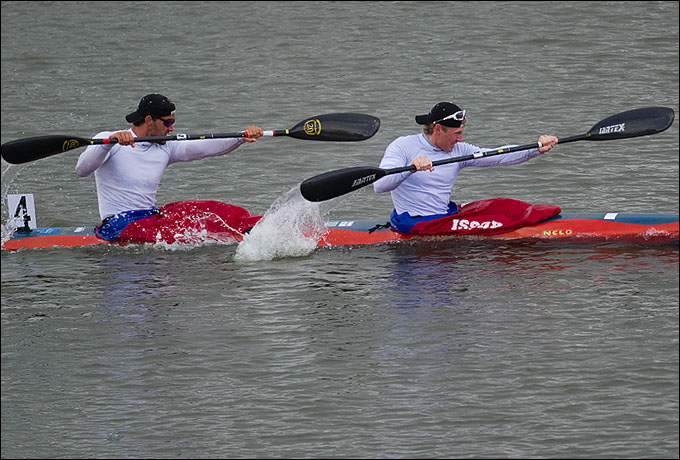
x=634 y=123
x=35 y=148
x=335 y=183
x=337 y=127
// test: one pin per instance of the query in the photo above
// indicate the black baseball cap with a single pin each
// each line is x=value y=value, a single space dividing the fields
x=444 y=113
x=155 y=105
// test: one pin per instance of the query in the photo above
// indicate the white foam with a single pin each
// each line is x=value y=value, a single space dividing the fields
x=9 y=228
x=291 y=227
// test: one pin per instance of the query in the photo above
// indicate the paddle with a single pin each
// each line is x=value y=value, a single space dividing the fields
x=633 y=123
x=328 y=127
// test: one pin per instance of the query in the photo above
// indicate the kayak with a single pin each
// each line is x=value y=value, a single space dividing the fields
x=610 y=227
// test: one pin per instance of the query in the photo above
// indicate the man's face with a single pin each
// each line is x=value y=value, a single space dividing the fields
x=446 y=138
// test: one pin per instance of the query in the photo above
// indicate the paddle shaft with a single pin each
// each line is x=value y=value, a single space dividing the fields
x=347 y=127
x=189 y=137
x=489 y=153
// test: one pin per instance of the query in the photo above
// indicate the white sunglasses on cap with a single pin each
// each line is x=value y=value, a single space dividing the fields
x=458 y=116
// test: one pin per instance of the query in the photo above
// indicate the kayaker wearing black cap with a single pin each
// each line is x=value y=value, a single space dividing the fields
x=127 y=175
x=421 y=196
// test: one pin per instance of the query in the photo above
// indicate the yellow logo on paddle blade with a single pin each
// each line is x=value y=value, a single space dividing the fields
x=313 y=127
x=70 y=144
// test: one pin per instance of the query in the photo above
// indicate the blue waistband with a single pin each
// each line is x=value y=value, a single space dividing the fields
x=404 y=222
x=112 y=226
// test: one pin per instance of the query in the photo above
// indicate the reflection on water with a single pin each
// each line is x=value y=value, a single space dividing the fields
x=133 y=290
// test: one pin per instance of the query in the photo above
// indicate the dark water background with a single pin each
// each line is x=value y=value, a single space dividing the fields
x=425 y=350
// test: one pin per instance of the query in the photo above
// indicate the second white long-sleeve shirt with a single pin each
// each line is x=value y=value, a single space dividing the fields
x=425 y=193
x=128 y=177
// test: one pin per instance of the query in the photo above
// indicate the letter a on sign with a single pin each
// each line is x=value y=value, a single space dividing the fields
x=22 y=207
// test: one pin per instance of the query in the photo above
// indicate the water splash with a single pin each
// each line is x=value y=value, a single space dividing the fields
x=291 y=227
x=8 y=223
x=10 y=227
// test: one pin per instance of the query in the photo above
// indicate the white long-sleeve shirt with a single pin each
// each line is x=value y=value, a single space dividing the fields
x=425 y=193
x=127 y=178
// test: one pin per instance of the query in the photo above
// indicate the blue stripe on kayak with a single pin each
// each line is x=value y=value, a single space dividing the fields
x=626 y=218
x=51 y=231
